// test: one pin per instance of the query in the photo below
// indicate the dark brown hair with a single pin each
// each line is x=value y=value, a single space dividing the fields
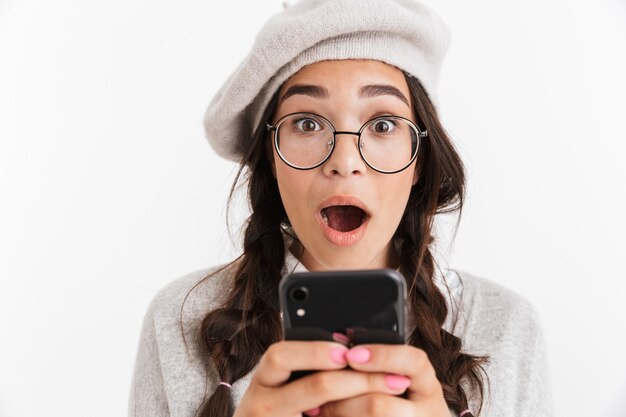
x=236 y=335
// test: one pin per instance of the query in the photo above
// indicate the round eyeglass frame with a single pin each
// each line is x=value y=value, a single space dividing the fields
x=274 y=129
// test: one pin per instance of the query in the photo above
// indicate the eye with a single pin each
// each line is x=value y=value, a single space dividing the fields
x=383 y=125
x=307 y=124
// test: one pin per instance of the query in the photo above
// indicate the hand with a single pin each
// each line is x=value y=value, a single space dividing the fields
x=425 y=393
x=269 y=395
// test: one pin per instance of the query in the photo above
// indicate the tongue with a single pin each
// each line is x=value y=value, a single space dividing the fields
x=344 y=218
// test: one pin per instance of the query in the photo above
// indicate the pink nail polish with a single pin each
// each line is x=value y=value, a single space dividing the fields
x=313 y=412
x=338 y=355
x=358 y=355
x=397 y=382
x=341 y=338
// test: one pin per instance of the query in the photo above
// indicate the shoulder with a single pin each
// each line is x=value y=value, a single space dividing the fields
x=189 y=297
x=492 y=312
x=170 y=367
x=492 y=298
x=501 y=324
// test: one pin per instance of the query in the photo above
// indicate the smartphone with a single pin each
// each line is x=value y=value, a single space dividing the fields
x=367 y=306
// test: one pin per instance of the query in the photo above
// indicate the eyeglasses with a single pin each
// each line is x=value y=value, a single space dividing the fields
x=387 y=144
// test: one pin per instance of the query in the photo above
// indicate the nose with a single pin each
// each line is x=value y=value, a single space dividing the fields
x=345 y=159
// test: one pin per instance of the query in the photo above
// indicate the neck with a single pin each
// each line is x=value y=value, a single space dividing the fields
x=391 y=258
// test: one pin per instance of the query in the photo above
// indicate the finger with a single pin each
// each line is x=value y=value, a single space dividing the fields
x=325 y=386
x=398 y=359
x=373 y=404
x=281 y=358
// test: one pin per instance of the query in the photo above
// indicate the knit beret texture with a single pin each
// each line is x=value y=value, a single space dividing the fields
x=403 y=33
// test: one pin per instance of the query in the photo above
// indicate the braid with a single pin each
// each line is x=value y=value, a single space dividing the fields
x=236 y=335
x=427 y=303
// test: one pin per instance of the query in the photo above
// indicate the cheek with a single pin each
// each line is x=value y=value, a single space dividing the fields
x=395 y=194
x=293 y=186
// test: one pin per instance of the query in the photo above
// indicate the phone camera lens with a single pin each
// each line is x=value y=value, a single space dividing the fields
x=300 y=294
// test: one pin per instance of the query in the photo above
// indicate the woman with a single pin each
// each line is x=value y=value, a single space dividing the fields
x=333 y=117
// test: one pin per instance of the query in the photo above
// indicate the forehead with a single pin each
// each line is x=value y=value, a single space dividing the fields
x=348 y=75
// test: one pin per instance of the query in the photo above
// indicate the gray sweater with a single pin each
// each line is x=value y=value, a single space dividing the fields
x=170 y=375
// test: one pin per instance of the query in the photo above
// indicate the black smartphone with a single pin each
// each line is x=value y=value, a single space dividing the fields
x=366 y=306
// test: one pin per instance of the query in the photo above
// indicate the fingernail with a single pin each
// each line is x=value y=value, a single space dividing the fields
x=358 y=355
x=313 y=412
x=341 y=338
x=338 y=355
x=397 y=382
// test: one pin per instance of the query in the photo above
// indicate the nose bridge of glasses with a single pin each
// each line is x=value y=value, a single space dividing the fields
x=347 y=133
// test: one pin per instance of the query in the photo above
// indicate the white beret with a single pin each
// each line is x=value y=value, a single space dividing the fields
x=402 y=33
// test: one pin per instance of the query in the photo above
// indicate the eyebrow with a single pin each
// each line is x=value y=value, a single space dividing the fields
x=373 y=90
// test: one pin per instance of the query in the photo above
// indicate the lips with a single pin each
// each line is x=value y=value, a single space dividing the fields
x=343 y=219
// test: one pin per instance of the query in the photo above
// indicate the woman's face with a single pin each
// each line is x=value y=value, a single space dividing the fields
x=345 y=237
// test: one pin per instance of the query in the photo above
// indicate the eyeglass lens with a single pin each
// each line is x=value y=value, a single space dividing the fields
x=388 y=143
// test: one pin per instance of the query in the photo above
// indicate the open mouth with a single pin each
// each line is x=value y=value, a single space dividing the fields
x=343 y=218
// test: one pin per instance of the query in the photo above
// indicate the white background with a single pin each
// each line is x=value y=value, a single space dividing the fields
x=108 y=189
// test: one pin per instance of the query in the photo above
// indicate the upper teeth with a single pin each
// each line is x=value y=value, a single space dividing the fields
x=324 y=216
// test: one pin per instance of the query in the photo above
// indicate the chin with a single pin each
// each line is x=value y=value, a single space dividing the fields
x=345 y=258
